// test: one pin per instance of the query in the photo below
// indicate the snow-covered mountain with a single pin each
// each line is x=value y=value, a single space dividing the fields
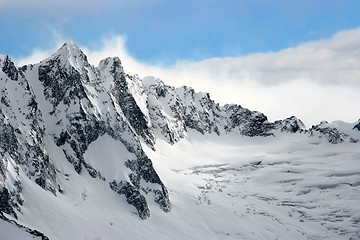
x=94 y=153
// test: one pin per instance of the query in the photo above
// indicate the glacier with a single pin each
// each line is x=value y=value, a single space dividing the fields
x=94 y=153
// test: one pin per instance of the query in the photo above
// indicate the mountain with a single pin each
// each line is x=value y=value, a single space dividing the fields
x=92 y=152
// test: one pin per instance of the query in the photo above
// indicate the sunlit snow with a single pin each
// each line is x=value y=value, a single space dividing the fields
x=228 y=187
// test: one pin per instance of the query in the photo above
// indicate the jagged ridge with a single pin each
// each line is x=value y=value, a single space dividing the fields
x=74 y=103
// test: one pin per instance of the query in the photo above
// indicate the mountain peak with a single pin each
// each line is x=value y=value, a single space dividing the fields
x=71 y=48
x=70 y=53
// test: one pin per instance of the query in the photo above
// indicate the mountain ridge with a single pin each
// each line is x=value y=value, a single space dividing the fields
x=65 y=103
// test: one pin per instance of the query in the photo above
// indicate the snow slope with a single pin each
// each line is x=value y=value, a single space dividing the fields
x=291 y=187
x=229 y=187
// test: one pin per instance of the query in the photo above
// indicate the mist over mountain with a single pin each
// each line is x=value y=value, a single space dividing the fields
x=94 y=153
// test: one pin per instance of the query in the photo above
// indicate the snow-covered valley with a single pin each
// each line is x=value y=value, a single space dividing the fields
x=290 y=187
x=230 y=187
x=93 y=153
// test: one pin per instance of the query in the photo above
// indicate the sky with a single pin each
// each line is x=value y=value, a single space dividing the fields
x=281 y=57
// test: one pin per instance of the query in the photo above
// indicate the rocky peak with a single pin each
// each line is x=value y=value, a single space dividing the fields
x=155 y=86
x=68 y=56
x=64 y=74
x=113 y=64
x=125 y=91
x=329 y=131
x=291 y=124
x=8 y=67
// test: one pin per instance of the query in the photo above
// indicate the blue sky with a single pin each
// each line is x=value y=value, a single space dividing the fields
x=281 y=57
x=168 y=30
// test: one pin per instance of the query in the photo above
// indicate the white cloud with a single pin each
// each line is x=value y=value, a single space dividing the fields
x=39 y=54
x=36 y=56
x=315 y=81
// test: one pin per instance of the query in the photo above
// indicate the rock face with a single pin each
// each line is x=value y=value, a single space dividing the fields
x=65 y=100
x=336 y=132
x=291 y=124
x=173 y=111
x=21 y=138
x=332 y=134
x=64 y=97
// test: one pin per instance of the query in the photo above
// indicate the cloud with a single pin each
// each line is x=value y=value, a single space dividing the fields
x=318 y=80
x=331 y=61
x=39 y=54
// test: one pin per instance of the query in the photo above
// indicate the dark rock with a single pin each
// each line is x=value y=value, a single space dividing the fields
x=249 y=123
x=126 y=101
x=162 y=198
x=333 y=135
x=357 y=126
x=60 y=85
x=291 y=124
x=133 y=197
x=142 y=169
x=7 y=204
x=35 y=233
x=9 y=69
